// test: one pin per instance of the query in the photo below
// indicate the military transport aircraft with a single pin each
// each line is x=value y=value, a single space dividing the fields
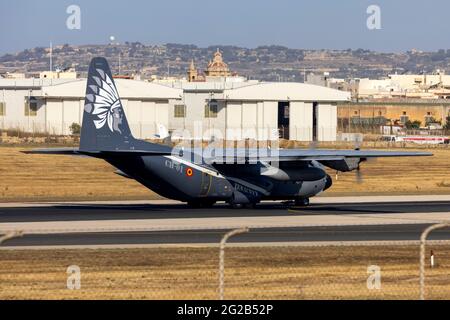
x=245 y=178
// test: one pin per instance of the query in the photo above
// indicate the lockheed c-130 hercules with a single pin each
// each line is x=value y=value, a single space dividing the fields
x=246 y=178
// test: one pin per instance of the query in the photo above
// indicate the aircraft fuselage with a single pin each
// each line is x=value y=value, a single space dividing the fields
x=177 y=178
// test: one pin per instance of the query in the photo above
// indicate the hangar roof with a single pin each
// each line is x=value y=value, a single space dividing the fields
x=127 y=89
x=289 y=91
x=77 y=88
x=248 y=90
x=30 y=83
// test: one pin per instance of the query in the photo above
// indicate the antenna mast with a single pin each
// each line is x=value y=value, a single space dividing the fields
x=51 y=56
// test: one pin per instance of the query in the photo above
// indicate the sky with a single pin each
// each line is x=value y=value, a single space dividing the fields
x=311 y=24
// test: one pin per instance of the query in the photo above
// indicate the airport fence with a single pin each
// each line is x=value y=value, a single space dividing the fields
x=231 y=269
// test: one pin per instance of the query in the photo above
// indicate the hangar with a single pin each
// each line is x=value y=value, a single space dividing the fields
x=239 y=109
x=52 y=106
x=242 y=110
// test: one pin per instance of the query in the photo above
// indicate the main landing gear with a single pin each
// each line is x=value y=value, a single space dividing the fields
x=243 y=206
x=302 y=202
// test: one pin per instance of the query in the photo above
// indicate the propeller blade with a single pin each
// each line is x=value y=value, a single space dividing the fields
x=313 y=145
x=359 y=176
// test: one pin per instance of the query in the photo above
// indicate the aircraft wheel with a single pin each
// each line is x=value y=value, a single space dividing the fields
x=208 y=204
x=194 y=204
x=251 y=205
x=236 y=205
x=302 y=202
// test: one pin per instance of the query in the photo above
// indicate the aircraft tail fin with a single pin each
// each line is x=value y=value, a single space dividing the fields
x=105 y=125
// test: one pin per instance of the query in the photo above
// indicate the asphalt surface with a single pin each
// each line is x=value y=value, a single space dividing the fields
x=272 y=235
x=394 y=232
x=150 y=211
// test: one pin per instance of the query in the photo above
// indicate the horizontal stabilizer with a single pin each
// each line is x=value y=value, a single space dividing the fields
x=56 y=151
x=77 y=152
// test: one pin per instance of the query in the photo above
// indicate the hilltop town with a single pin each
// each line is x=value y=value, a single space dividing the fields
x=267 y=63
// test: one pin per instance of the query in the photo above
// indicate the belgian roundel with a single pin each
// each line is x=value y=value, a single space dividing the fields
x=189 y=172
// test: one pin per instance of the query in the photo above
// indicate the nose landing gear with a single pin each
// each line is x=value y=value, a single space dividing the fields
x=201 y=204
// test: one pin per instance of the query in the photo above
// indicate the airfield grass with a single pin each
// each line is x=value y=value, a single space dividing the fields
x=250 y=273
x=64 y=178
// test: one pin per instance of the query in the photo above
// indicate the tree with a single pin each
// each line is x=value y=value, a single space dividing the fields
x=430 y=120
x=447 y=123
x=412 y=124
x=75 y=128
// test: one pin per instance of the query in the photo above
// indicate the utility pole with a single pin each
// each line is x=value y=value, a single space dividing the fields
x=120 y=58
x=51 y=57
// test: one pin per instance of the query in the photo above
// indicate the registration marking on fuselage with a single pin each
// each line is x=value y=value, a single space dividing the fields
x=176 y=160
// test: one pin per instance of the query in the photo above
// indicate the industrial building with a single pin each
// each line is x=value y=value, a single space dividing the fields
x=393 y=112
x=417 y=86
x=216 y=104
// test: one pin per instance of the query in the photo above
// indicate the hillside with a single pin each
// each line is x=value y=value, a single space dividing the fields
x=270 y=63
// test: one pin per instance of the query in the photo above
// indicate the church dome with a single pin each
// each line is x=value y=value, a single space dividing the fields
x=217 y=67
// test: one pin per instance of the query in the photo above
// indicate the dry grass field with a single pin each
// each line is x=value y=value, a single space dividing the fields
x=251 y=273
x=55 y=178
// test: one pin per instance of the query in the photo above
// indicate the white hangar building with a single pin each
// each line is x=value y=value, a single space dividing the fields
x=236 y=109
x=52 y=106
x=255 y=109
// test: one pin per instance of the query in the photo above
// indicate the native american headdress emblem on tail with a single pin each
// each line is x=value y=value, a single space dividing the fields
x=104 y=102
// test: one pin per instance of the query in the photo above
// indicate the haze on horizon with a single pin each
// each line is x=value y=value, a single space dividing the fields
x=320 y=24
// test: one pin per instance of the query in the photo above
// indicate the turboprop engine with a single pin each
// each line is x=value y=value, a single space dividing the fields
x=308 y=173
x=343 y=165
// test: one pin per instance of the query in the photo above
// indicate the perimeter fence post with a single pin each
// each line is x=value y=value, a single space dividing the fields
x=10 y=235
x=423 y=240
x=222 y=258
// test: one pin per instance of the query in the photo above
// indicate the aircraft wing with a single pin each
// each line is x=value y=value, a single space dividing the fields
x=316 y=154
x=341 y=160
x=282 y=155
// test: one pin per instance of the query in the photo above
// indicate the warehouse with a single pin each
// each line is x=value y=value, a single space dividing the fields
x=233 y=109
x=52 y=106
x=255 y=110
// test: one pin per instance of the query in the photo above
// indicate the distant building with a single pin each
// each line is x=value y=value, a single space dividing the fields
x=424 y=86
x=217 y=70
x=193 y=74
x=217 y=67
x=325 y=80
x=59 y=74
x=382 y=112
x=13 y=75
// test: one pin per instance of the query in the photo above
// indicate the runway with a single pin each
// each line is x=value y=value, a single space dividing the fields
x=87 y=212
x=137 y=224
x=310 y=235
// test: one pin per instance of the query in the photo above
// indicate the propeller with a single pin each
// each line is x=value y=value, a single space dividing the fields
x=359 y=175
x=313 y=145
x=357 y=145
